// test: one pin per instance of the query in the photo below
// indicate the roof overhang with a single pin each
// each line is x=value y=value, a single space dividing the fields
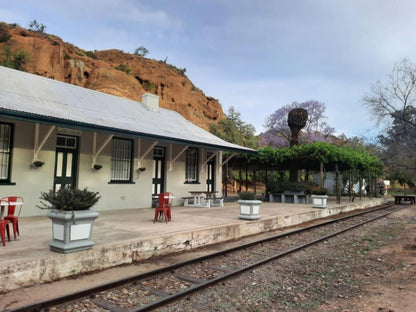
x=33 y=98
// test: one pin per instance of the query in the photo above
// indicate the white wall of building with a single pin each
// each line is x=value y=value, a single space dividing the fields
x=30 y=181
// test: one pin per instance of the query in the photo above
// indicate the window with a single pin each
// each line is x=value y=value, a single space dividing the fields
x=6 y=135
x=191 y=172
x=121 y=160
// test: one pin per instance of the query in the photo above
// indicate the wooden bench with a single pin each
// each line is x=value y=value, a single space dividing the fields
x=211 y=201
x=186 y=200
x=399 y=198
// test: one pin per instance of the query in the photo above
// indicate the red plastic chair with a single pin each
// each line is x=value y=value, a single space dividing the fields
x=165 y=202
x=4 y=226
x=12 y=216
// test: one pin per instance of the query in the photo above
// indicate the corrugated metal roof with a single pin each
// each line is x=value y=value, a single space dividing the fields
x=31 y=97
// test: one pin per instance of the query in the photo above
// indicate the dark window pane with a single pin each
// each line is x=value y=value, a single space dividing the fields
x=121 y=160
x=191 y=173
x=5 y=151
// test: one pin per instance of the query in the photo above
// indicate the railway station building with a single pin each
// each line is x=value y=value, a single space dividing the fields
x=53 y=133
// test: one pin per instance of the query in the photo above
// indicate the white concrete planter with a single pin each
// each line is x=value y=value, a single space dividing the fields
x=249 y=209
x=319 y=201
x=72 y=232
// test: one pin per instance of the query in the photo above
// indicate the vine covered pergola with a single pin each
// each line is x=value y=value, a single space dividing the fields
x=317 y=157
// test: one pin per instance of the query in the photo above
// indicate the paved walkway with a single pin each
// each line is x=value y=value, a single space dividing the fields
x=129 y=235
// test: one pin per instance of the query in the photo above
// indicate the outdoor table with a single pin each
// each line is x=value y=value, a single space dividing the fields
x=197 y=195
x=399 y=198
x=200 y=196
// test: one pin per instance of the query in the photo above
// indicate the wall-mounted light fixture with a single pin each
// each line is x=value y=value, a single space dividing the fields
x=37 y=163
x=97 y=167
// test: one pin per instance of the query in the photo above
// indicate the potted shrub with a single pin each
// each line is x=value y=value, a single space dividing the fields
x=319 y=197
x=72 y=218
x=249 y=206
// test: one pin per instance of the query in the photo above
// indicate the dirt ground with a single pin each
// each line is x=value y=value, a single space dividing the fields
x=394 y=288
x=370 y=269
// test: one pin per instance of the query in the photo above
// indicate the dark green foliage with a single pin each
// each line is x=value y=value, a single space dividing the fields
x=247 y=196
x=19 y=59
x=234 y=130
x=142 y=51
x=11 y=59
x=149 y=86
x=36 y=27
x=319 y=191
x=311 y=155
x=123 y=68
x=69 y=199
x=92 y=54
x=4 y=33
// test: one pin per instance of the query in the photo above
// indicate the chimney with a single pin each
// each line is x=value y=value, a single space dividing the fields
x=150 y=101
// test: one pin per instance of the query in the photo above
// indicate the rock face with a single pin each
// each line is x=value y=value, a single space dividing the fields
x=112 y=71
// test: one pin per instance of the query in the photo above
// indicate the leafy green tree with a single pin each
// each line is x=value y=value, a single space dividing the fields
x=35 y=26
x=234 y=130
x=142 y=51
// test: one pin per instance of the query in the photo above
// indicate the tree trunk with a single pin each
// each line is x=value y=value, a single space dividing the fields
x=322 y=173
x=293 y=172
x=266 y=182
x=240 y=176
x=246 y=177
x=337 y=188
x=369 y=184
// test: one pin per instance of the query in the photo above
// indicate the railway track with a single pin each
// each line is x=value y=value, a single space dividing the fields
x=159 y=287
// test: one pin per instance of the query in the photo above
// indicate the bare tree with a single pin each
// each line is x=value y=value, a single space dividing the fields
x=395 y=103
x=389 y=101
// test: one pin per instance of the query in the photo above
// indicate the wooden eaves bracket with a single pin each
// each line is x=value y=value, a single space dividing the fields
x=228 y=159
x=96 y=152
x=139 y=143
x=204 y=163
x=36 y=146
x=172 y=160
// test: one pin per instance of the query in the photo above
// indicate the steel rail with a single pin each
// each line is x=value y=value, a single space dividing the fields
x=185 y=292
x=37 y=306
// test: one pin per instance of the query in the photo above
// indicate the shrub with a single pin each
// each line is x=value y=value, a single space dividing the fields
x=247 y=196
x=319 y=191
x=36 y=27
x=123 y=68
x=4 y=33
x=92 y=54
x=142 y=51
x=15 y=60
x=69 y=199
x=149 y=86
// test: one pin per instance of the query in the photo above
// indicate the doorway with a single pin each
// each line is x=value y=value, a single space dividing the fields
x=66 y=161
x=158 y=170
x=211 y=173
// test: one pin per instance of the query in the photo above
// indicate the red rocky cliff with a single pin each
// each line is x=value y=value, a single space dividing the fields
x=49 y=56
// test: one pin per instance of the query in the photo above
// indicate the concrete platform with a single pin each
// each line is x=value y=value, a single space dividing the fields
x=128 y=236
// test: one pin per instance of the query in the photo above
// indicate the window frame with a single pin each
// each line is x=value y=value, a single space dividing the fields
x=7 y=180
x=127 y=170
x=195 y=166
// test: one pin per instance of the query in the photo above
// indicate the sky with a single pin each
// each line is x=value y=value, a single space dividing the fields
x=254 y=55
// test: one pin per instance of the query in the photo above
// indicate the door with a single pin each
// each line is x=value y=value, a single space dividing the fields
x=211 y=173
x=66 y=161
x=158 y=170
